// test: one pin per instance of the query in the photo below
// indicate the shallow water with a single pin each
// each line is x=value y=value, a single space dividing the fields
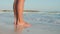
x=42 y=23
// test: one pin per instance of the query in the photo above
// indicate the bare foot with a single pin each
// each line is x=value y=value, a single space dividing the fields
x=21 y=26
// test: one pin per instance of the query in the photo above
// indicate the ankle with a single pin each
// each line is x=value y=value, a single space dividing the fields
x=20 y=22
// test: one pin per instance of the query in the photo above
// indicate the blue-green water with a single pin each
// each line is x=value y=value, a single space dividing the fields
x=33 y=18
x=39 y=21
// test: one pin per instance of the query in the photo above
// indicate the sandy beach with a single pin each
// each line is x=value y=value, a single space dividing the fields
x=42 y=23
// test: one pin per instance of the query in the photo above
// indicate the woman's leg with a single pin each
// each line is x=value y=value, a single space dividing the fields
x=15 y=14
x=20 y=10
x=14 y=9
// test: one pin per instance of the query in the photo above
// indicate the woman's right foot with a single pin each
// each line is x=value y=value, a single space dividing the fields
x=21 y=26
x=24 y=24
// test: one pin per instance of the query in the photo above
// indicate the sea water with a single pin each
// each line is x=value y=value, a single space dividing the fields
x=42 y=23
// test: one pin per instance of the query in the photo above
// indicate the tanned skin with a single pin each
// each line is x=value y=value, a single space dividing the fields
x=19 y=22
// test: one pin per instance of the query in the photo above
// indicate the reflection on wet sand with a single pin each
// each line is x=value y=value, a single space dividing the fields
x=20 y=27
